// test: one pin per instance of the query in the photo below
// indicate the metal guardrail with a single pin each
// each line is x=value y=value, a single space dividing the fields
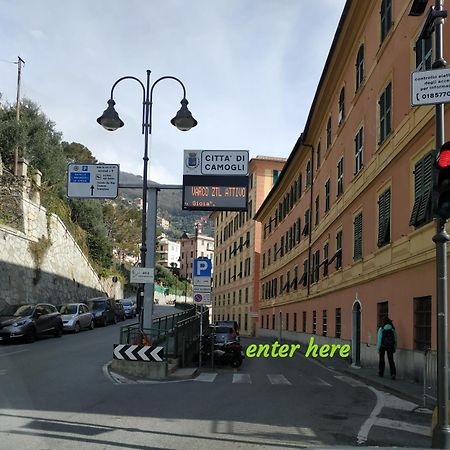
x=429 y=377
x=177 y=333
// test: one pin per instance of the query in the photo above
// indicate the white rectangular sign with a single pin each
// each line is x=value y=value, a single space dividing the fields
x=201 y=298
x=215 y=162
x=202 y=281
x=429 y=87
x=202 y=289
x=92 y=180
x=142 y=275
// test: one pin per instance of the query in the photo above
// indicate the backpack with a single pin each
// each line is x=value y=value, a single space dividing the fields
x=388 y=339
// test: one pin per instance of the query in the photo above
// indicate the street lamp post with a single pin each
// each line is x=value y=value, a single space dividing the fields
x=111 y=121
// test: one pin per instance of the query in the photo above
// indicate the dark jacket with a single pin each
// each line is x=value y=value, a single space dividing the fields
x=380 y=335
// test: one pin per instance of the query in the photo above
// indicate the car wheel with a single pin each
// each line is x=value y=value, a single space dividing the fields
x=77 y=327
x=237 y=362
x=30 y=336
x=91 y=325
x=58 y=331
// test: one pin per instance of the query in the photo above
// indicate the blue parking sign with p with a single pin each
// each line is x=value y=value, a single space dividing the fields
x=202 y=267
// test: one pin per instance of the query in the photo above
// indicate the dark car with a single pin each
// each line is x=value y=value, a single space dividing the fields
x=224 y=335
x=229 y=323
x=28 y=321
x=120 y=310
x=129 y=307
x=104 y=310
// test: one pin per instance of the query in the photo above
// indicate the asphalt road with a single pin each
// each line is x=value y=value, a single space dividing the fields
x=55 y=394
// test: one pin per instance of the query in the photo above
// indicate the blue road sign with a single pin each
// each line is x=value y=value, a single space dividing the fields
x=80 y=177
x=202 y=267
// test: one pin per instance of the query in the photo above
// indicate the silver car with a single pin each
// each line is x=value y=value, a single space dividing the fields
x=76 y=316
x=129 y=307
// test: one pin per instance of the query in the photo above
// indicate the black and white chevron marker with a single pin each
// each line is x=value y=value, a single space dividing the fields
x=138 y=352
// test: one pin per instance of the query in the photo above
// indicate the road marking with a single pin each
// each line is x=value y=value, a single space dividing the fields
x=2 y=371
x=13 y=353
x=351 y=381
x=242 y=378
x=369 y=423
x=323 y=382
x=390 y=401
x=206 y=377
x=403 y=426
x=278 y=379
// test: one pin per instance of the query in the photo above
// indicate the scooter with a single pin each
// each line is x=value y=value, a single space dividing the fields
x=230 y=353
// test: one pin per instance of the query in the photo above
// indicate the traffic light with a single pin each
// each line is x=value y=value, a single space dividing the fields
x=443 y=182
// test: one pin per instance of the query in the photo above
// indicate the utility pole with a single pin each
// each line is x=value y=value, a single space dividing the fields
x=20 y=61
x=441 y=432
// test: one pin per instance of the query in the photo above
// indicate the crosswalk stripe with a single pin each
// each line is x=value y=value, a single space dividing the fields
x=323 y=382
x=242 y=378
x=206 y=377
x=402 y=426
x=278 y=379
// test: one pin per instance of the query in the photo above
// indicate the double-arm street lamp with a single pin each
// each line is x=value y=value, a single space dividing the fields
x=111 y=121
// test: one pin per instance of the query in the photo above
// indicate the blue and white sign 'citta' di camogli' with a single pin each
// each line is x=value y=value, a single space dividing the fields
x=215 y=162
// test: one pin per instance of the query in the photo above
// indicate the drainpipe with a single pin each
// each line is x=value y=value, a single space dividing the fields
x=310 y=215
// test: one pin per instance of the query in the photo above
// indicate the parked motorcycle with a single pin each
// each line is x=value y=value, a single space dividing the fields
x=227 y=354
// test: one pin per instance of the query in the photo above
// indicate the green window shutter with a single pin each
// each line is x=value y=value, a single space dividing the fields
x=380 y=219
x=384 y=218
x=424 y=210
x=418 y=191
x=357 y=224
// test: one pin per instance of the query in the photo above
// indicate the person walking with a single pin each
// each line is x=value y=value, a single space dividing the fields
x=387 y=343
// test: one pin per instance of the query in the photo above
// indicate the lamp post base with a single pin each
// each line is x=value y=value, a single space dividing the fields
x=441 y=437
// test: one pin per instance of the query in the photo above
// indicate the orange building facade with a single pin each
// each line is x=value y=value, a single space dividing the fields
x=347 y=230
x=237 y=251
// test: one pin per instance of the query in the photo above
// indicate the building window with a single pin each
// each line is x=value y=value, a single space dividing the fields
x=386 y=18
x=382 y=312
x=360 y=67
x=340 y=177
x=287 y=322
x=304 y=321
x=298 y=231
x=422 y=323
x=327 y=195
x=318 y=156
x=338 y=250
x=359 y=150
x=384 y=104
x=423 y=184
x=338 y=323
x=424 y=53
x=304 y=279
x=308 y=174
x=315 y=266
x=324 y=322
x=317 y=211
x=275 y=175
x=329 y=133
x=357 y=237
x=314 y=322
x=295 y=321
x=341 y=111
x=306 y=227
x=384 y=218
x=325 y=259
x=273 y=321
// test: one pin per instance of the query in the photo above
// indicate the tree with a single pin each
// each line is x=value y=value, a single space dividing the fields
x=75 y=152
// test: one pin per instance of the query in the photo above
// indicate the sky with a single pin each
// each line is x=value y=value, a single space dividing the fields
x=250 y=68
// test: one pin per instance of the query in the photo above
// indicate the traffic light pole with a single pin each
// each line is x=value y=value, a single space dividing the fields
x=441 y=432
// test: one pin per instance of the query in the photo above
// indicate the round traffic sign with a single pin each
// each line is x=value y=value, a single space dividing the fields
x=198 y=297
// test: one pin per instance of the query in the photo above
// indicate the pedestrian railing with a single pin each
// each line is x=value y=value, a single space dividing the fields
x=429 y=377
x=177 y=333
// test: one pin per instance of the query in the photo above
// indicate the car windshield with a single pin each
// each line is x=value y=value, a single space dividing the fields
x=127 y=303
x=68 y=309
x=96 y=304
x=17 y=310
x=224 y=330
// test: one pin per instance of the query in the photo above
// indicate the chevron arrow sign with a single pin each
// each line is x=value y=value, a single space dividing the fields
x=138 y=352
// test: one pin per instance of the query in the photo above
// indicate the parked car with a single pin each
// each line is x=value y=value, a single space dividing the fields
x=120 y=310
x=76 y=316
x=104 y=310
x=28 y=321
x=129 y=307
x=229 y=323
x=224 y=335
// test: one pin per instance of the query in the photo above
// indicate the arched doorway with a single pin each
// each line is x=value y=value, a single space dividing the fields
x=356 y=333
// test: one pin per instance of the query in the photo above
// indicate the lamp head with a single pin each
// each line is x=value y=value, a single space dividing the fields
x=110 y=120
x=184 y=120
